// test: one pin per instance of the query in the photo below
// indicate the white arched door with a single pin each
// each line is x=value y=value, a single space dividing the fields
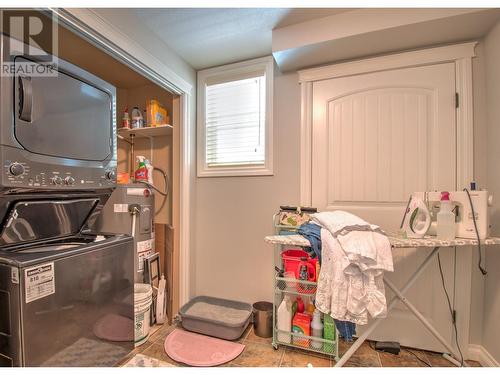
x=376 y=138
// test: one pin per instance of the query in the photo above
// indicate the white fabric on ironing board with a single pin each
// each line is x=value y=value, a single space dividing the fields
x=355 y=255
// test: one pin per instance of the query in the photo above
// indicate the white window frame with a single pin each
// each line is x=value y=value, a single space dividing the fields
x=227 y=73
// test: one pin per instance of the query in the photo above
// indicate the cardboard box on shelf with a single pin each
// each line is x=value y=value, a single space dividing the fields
x=156 y=114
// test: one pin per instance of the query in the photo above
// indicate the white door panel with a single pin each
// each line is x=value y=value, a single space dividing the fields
x=377 y=138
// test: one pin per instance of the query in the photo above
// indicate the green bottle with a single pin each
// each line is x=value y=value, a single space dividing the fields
x=329 y=333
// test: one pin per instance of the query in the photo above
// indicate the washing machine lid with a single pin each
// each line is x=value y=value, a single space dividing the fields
x=35 y=220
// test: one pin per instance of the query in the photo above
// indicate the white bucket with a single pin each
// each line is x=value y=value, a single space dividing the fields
x=142 y=304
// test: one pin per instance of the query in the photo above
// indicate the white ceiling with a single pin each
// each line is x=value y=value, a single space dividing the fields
x=211 y=37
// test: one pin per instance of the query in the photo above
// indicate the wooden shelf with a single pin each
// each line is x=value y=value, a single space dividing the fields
x=155 y=131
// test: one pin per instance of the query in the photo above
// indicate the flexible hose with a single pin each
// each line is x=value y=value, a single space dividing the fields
x=162 y=193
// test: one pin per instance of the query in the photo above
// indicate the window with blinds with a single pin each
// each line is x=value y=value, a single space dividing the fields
x=235 y=122
x=235 y=119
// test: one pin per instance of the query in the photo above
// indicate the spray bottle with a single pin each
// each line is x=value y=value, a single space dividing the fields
x=150 y=168
x=141 y=173
x=446 y=229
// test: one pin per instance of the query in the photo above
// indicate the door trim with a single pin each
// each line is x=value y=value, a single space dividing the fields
x=106 y=36
x=461 y=55
x=426 y=56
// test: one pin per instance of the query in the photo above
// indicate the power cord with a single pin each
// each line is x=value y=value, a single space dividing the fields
x=372 y=346
x=481 y=268
x=418 y=358
x=452 y=312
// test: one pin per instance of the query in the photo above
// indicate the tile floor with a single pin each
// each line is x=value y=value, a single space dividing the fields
x=260 y=353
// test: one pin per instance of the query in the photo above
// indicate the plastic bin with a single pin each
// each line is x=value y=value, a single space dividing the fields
x=216 y=317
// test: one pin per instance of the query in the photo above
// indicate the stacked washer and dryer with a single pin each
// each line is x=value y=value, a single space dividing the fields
x=66 y=293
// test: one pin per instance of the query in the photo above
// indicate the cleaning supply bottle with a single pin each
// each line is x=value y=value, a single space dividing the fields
x=137 y=119
x=316 y=329
x=310 y=308
x=300 y=305
x=141 y=173
x=285 y=320
x=126 y=119
x=446 y=228
x=150 y=168
x=329 y=332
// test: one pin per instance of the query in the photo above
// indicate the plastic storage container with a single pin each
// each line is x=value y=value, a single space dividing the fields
x=216 y=317
x=142 y=304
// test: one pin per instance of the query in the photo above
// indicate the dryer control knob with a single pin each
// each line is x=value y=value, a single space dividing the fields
x=16 y=169
x=56 y=180
x=110 y=175
x=69 y=180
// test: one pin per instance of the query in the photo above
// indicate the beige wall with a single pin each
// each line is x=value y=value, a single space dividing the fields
x=491 y=321
x=234 y=214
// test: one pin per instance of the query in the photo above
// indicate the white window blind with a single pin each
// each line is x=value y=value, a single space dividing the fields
x=235 y=116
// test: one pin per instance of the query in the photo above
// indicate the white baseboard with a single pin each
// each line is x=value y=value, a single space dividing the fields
x=480 y=354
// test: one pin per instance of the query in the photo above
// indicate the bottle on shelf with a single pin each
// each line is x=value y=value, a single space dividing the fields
x=300 y=305
x=137 y=119
x=310 y=308
x=317 y=329
x=285 y=320
x=328 y=332
x=126 y=119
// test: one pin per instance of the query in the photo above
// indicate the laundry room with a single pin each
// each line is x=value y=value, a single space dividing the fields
x=249 y=185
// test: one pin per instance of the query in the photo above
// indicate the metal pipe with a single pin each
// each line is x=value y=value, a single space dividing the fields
x=132 y=154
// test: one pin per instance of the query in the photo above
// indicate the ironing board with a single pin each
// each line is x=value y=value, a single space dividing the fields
x=399 y=294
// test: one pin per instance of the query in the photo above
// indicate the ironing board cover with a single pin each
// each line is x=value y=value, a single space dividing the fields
x=395 y=240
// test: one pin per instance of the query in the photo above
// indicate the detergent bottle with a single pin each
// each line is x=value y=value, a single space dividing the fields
x=446 y=229
x=141 y=173
x=137 y=119
x=300 y=305
x=285 y=320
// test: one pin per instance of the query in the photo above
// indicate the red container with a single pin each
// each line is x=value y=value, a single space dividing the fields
x=293 y=259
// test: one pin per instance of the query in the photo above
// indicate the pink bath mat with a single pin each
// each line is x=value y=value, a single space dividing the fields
x=199 y=350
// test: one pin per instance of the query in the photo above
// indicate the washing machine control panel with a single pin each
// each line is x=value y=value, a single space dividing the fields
x=31 y=174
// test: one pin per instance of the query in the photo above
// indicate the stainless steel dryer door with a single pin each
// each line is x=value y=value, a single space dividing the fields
x=62 y=116
x=79 y=309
